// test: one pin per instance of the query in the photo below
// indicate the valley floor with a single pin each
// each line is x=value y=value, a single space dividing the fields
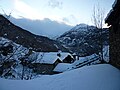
x=95 y=77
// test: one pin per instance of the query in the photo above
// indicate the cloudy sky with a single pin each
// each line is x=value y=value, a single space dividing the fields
x=71 y=12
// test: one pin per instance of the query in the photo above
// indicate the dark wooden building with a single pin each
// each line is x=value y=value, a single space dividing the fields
x=68 y=59
x=46 y=63
x=113 y=20
x=44 y=68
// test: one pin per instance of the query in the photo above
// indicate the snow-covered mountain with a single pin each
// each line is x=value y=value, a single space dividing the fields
x=44 y=27
x=80 y=27
x=84 y=39
x=23 y=37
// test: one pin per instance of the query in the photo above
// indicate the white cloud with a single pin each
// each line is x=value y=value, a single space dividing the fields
x=26 y=11
x=55 y=3
x=70 y=20
x=22 y=9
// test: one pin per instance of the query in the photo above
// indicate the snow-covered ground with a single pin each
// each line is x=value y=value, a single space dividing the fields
x=93 y=57
x=95 y=77
x=84 y=59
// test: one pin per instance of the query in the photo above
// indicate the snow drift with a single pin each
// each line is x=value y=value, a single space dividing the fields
x=95 y=77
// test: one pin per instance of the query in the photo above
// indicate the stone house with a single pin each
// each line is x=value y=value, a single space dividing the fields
x=66 y=57
x=46 y=62
x=44 y=68
x=113 y=21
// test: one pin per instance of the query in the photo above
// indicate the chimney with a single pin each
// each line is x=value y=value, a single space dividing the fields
x=59 y=53
x=77 y=57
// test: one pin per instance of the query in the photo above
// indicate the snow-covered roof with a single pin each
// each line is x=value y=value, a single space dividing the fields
x=111 y=11
x=48 y=58
x=64 y=55
x=61 y=67
x=51 y=57
x=114 y=3
x=108 y=14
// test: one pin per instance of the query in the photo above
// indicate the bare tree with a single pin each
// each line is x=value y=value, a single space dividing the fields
x=3 y=21
x=98 y=17
x=98 y=21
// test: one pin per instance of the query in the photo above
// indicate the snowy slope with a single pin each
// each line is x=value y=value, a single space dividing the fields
x=84 y=39
x=94 y=57
x=97 y=77
x=18 y=50
x=26 y=38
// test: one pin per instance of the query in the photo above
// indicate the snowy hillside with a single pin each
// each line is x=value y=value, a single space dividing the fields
x=12 y=63
x=96 y=77
x=26 y=38
x=11 y=59
x=17 y=52
x=81 y=27
x=84 y=39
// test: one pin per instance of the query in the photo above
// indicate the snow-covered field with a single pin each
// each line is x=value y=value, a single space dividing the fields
x=95 y=77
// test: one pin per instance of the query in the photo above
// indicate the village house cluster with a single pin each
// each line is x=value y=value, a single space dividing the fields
x=53 y=62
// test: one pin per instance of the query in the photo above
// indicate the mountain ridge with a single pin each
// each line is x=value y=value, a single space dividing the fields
x=45 y=27
x=84 y=39
x=23 y=37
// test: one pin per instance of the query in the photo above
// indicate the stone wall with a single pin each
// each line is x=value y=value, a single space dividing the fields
x=115 y=45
